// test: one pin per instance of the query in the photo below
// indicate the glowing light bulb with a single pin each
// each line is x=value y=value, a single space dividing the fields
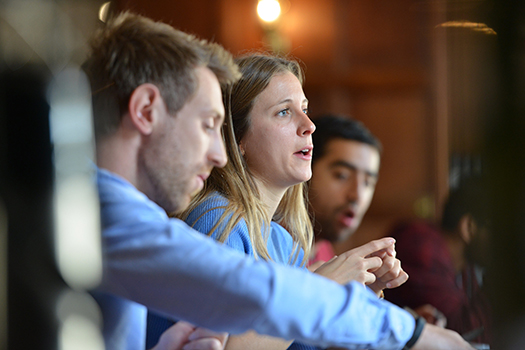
x=104 y=11
x=268 y=10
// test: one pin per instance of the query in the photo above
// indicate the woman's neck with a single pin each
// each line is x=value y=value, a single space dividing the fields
x=270 y=195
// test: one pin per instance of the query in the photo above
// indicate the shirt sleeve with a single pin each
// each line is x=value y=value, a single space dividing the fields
x=165 y=265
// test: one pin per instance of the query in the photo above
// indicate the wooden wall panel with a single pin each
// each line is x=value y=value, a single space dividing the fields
x=399 y=121
x=241 y=29
x=368 y=59
x=199 y=17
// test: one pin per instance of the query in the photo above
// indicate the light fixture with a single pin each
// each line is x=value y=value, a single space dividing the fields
x=268 y=10
x=478 y=27
x=103 y=12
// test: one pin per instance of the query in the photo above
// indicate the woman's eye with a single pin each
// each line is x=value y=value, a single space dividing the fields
x=284 y=112
x=209 y=125
x=306 y=111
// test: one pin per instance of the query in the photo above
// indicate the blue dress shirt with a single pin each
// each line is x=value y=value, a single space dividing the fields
x=161 y=263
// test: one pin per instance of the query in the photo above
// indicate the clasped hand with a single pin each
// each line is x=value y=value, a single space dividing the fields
x=374 y=264
x=185 y=336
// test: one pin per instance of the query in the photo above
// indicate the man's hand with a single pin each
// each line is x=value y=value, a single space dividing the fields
x=431 y=315
x=358 y=264
x=436 y=338
x=185 y=336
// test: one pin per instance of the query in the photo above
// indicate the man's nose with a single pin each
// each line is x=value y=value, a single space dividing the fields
x=353 y=192
x=217 y=153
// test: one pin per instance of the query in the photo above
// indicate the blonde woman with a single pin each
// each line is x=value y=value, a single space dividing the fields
x=256 y=203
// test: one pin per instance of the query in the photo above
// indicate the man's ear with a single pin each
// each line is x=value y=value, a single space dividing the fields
x=142 y=103
x=467 y=228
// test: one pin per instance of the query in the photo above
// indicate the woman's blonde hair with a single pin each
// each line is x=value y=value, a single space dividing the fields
x=235 y=180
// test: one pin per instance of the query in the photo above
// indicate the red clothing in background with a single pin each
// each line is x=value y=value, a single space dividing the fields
x=425 y=257
x=323 y=252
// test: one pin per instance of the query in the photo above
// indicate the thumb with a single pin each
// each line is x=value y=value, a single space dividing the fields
x=175 y=336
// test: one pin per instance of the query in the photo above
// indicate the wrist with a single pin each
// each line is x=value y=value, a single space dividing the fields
x=420 y=324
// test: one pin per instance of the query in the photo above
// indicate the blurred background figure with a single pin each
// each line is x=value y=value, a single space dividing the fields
x=445 y=263
x=345 y=168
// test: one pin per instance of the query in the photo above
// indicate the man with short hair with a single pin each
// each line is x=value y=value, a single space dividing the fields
x=158 y=116
x=345 y=169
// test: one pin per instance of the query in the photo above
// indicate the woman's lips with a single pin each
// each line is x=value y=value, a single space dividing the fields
x=305 y=153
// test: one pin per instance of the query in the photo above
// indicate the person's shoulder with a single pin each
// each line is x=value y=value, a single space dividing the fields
x=416 y=229
x=277 y=228
x=109 y=183
x=209 y=216
x=419 y=243
x=279 y=234
x=210 y=208
x=282 y=247
x=120 y=201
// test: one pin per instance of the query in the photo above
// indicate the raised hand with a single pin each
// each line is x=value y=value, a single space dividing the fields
x=390 y=274
x=358 y=264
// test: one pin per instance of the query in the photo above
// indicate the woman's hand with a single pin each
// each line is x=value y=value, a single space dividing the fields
x=358 y=264
x=390 y=274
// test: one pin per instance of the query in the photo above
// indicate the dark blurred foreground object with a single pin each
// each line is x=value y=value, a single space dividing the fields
x=50 y=210
x=505 y=145
x=26 y=187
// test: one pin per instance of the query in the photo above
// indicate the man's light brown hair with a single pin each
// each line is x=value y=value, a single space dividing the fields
x=132 y=50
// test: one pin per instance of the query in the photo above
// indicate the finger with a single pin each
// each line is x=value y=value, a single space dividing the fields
x=389 y=269
x=402 y=278
x=204 y=344
x=391 y=250
x=175 y=336
x=374 y=246
x=315 y=265
x=383 y=253
x=373 y=264
x=369 y=278
x=200 y=333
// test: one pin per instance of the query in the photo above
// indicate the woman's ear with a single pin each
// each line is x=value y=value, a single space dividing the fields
x=467 y=228
x=142 y=103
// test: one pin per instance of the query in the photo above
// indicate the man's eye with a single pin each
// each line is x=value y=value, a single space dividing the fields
x=341 y=176
x=370 y=182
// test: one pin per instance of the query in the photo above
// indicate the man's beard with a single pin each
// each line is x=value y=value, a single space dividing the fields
x=168 y=183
